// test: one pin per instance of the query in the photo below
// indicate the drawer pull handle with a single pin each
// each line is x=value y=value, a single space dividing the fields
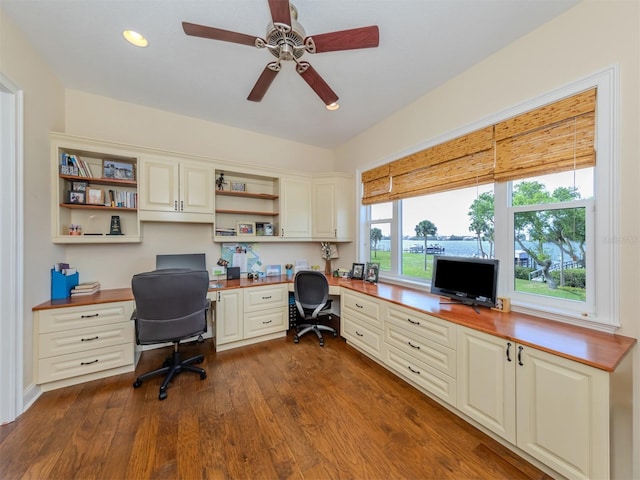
x=417 y=347
x=413 y=321
x=414 y=371
x=508 y=351
x=267 y=322
x=359 y=334
x=89 y=363
x=89 y=339
x=266 y=298
x=359 y=306
x=89 y=316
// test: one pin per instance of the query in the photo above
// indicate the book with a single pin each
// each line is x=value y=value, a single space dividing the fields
x=87 y=285
x=87 y=292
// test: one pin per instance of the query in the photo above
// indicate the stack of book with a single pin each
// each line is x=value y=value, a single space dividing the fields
x=85 y=288
x=225 y=232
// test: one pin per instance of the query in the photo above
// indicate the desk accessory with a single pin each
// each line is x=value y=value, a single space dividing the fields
x=61 y=284
x=233 y=273
x=115 y=228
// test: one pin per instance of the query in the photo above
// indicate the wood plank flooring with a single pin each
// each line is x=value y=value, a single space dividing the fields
x=270 y=411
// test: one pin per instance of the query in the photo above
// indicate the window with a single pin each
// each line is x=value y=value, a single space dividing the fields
x=537 y=216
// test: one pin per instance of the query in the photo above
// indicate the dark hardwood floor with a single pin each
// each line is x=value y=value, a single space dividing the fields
x=269 y=411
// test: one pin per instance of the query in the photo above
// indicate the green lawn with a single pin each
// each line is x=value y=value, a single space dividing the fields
x=413 y=266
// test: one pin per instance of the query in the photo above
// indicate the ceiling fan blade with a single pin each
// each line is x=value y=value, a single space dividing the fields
x=315 y=81
x=264 y=82
x=218 y=34
x=363 y=37
x=280 y=11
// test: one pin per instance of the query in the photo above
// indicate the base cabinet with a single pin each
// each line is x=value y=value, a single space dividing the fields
x=555 y=409
x=362 y=323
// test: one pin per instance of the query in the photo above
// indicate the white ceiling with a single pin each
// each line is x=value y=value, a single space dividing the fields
x=423 y=43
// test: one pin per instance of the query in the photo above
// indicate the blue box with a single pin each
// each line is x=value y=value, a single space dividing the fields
x=61 y=284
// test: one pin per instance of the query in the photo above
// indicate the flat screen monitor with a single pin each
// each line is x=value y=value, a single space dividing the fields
x=469 y=280
x=193 y=261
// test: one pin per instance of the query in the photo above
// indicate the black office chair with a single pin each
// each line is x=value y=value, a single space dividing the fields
x=311 y=292
x=171 y=305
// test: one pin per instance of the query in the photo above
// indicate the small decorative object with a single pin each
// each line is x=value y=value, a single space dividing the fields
x=357 y=271
x=220 y=181
x=76 y=197
x=503 y=304
x=273 y=271
x=79 y=186
x=115 y=225
x=75 y=229
x=117 y=170
x=289 y=269
x=327 y=251
x=372 y=272
x=238 y=187
x=222 y=262
x=95 y=196
x=246 y=228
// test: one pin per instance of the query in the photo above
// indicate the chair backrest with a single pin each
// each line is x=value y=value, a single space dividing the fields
x=171 y=304
x=311 y=291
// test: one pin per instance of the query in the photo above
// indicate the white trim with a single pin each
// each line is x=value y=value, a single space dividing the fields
x=11 y=245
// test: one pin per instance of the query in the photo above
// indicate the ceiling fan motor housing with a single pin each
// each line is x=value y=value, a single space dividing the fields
x=284 y=39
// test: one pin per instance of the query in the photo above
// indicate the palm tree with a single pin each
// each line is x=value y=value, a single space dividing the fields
x=376 y=236
x=424 y=229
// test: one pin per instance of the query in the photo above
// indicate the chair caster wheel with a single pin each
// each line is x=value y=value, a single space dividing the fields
x=163 y=395
x=296 y=339
x=322 y=343
x=335 y=334
x=203 y=375
x=137 y=384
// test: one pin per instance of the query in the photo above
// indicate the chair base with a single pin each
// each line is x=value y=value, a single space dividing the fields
x=171 y=367
x=316 y=328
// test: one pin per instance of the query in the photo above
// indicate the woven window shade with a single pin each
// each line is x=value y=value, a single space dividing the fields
x=376 y=185
x=553 y=138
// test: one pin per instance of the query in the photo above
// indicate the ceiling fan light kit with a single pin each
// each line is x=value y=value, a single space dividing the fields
x=287 y=41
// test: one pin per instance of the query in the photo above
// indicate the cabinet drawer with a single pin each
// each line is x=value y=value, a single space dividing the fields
x=366 y=308
x=433 y=354
x=83 y=339
x=432 y=328
x=81 y=363
x=430 y=379
x=362 y=335
x=68 y=318
x=263 y=322
x=260 y=298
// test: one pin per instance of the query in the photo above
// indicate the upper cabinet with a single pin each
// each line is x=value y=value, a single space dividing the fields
x=94 y=191
x=332 y=207
x=176 y=190
x=295 y=208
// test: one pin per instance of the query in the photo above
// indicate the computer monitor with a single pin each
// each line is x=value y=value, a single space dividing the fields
x=193 y=261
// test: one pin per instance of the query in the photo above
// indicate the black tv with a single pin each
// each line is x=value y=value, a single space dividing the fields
x=469 y=280
x=193 y=261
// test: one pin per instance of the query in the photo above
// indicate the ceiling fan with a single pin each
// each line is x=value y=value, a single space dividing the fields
x=287 y=41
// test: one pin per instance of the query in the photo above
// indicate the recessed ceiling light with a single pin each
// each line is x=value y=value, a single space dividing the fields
x=135 y=38
x=333 y=106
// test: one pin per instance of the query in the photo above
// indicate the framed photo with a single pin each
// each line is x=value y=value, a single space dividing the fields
x=264 y=229
x=245 y=228
x=76 y=197
x=371 y=272
x=117 y=170
x=95 y=196
x=79 y=186
x=238 y=187
x=357 y=271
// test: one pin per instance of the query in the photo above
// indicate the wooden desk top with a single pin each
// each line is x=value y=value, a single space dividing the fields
x=598 y=349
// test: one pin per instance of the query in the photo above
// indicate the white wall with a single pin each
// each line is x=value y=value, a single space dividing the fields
x=586 y=39
x=43 y=112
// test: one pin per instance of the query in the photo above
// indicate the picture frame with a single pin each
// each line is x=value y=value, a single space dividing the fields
x=357 y=271
x=245 y=229
x=76 y=197
x=79 y=186
x=371 y=272
x=264 y=229
x=117 y=170
x=95 y=196
x=238 y=187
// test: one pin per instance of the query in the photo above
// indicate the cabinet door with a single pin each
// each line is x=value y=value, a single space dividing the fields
x=229 y=315
x=563 y=414
x=159 y=184
x=196 y=188
x=295 y=207
x=324 y=210
x=486 y=381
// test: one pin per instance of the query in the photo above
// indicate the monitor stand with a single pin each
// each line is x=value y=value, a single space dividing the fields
x=472 y=305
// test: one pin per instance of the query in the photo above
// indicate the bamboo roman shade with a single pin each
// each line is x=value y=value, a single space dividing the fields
x=553 y=138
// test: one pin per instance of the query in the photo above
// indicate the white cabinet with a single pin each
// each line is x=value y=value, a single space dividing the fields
x=554 y=409
x=361 y=322
x=77 y=344
x=176 y=190
x=332 y=207
x=250 y=315
x=295 y=207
